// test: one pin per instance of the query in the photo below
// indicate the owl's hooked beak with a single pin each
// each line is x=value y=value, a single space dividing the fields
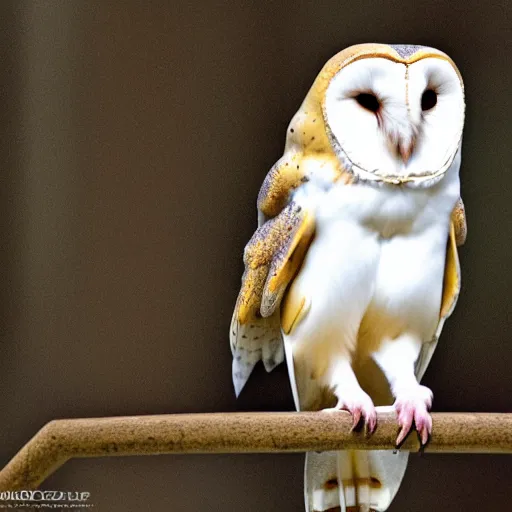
x=402 y=141
x=405 y=151
x=405 y=148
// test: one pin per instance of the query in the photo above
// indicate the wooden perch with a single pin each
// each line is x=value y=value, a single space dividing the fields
x=61 y=440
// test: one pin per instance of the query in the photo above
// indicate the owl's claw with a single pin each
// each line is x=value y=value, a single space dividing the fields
x=413 y=407
x=360 y=407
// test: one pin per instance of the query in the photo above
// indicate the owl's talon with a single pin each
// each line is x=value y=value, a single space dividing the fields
x=360 y=408
x=371 y=424
x=413 y=407
x=356 y=415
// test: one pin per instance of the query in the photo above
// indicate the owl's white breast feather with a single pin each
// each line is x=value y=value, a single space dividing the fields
x=374 y=271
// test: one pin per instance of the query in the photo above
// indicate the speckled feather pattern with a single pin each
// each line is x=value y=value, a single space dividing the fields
x=272 y=240
x=459 y=223
x=407 y=50
x=255 y=337
x=268 y=248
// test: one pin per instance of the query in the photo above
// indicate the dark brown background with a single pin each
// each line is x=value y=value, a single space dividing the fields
x=135 y=138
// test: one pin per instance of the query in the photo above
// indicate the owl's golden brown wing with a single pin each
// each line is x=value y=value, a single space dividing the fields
x=271 y=259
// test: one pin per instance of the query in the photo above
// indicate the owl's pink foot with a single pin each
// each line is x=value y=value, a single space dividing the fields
x=412 y=406
x=360 y=406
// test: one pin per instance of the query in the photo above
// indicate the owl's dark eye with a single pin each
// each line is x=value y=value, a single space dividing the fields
x=368 y=101
x=428 y=100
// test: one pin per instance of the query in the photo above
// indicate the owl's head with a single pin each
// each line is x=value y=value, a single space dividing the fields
x=391 y=113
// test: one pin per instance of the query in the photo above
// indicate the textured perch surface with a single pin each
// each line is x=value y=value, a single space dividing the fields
x=61 y=440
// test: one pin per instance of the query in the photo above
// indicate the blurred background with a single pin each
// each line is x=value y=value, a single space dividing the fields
x=135 y=138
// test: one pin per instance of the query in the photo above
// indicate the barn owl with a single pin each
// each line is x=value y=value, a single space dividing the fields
x=354 y=268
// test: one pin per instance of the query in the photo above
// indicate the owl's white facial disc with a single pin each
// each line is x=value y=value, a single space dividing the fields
x=390 y=121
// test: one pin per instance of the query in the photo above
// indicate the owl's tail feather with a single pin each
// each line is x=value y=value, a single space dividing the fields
x=352 y=481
